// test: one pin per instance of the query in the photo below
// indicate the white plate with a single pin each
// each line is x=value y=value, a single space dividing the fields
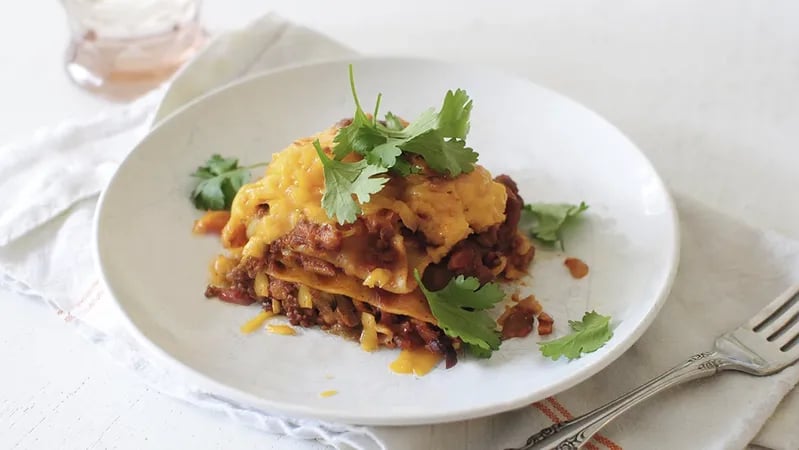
x=554 y=148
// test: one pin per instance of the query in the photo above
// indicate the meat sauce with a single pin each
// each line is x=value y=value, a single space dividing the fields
x=577 y=268
x=487 y=256
x=518 y=320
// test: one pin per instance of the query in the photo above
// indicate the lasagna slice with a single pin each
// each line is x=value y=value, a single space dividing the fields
x=357 y=279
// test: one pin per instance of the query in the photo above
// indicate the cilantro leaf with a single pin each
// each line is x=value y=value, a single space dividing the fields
x=404 y=168
x=218 y=165
x=232 y=183
x=425 y=122
x=437 y=136
x=385 y=154
x=345 y=180
x=208 y=195
x=220 y=180
x=460 y=309
x=478 y=352
x=393 y=122
x=361 y=135
x=545 y=220
x=453 y=120
x=587 y=336
x=451 y=156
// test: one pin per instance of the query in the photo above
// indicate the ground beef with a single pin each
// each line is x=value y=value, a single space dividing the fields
x=467 y=258
x=287 y=294
x=341 y=315
x=234 y=295
x=436 y=276
x=436 y=341
x=326 y=305
x=545 y=322
x=317 y=236
x=507 y=230
x=382 y=227
x=240 y=281
x=519 y=323
x=377 y=231
x=345 y=312
x=317 y=266
x=327 y=238
x=281 y=290
x=520 y=261
x=480 y=255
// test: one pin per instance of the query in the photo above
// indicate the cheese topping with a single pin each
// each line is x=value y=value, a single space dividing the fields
x=254 y=323
x=377 y=278
x=445 y=210
x=292 y=189
x=281 y=329
x=219 y=268
x=418 y=361
x=369 y=333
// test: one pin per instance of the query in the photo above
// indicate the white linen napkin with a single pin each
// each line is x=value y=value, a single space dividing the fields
x=728 y=271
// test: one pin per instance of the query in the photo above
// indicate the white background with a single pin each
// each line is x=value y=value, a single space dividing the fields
x=709 y=90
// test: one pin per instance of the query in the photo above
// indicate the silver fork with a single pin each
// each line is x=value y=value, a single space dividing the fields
x=764 y=345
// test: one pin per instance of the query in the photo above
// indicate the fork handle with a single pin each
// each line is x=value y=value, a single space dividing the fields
x=571 y=434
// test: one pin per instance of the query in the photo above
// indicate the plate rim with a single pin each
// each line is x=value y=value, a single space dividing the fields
x=239 y=398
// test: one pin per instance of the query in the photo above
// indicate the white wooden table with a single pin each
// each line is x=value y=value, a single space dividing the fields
x=712 y=84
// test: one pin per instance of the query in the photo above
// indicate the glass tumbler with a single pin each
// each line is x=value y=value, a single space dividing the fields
x=124 y=48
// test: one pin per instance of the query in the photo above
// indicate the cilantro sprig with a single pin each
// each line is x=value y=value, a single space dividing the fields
x=587 y=336
x=438 y=137
x=343 y=181
x=460 y=309
x=220 y=179
x=544 y=221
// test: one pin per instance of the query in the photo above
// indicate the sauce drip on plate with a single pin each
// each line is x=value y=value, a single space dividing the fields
x=417 y=361
x=577 y=267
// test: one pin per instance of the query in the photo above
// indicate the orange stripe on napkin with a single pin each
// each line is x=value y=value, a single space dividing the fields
x=555 y=419
x=562 y=409
x=607 y=442
x=567 y=415
x=590 y=446
x=547 y=412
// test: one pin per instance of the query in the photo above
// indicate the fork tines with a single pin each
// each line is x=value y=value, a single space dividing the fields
x=779 y=320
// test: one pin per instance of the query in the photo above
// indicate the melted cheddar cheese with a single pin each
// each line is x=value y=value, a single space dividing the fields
x=285 y=330
x=445 y=210
x=411 y=304
x=418 y=361
x=292 y=187
x=254 y=323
